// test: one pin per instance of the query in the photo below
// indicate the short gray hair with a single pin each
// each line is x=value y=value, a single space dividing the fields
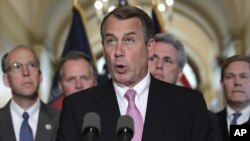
x=170 y=39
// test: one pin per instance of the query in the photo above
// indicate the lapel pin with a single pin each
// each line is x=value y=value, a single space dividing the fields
x=48 y=126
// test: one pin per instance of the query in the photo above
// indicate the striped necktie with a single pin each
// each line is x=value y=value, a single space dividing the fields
x=133 y=111
x=235 y=118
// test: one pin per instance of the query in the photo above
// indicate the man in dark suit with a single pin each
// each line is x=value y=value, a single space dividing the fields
x=235 y=82
x=167 y=65
x=166 y=111
x=22 y=74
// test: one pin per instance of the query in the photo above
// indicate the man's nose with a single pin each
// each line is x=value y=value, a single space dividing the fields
x=25 y=70
x=79 y=84
x=237 y=81
x=159 y=64
x=119 y=49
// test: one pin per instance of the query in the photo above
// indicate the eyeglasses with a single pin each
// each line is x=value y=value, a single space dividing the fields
x=17 y=67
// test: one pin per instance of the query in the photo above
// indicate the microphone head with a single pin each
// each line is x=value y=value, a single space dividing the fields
x=91 y=121
x=125 y=124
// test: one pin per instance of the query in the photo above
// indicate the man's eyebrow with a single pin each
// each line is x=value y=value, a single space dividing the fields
x=109 y=34
x=130 y=33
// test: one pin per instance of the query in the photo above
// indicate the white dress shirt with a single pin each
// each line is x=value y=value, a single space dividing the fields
x=17 y=119
x=245 y=115
x=141 y=97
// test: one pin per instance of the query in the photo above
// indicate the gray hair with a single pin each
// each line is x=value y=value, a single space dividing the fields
x=170 y=39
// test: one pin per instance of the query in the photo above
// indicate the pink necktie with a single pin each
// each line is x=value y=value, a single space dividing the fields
x=133 y=111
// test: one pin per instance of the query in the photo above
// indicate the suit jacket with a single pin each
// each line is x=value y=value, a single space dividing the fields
x=173 y=113
x=215 y=133
x=222 y=115
x=47 y=116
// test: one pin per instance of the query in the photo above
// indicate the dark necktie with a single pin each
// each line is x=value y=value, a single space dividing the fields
x=235 y=118
x=26 y=132
x=133 y=111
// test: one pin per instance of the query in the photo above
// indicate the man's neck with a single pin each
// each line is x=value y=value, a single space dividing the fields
x=25 y=103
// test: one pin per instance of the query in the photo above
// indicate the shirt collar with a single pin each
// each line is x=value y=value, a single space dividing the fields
x=35 y=107
x=142 y=86
x=245 y=111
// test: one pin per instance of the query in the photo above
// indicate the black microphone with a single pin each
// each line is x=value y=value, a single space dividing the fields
x=125 y=128
x=91 y=127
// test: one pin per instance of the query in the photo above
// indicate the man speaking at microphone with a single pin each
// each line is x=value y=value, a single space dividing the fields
x=160 y=111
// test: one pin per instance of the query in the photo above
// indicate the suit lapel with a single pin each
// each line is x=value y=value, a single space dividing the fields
x=109 y=111
x=46 y=128
x=159 y=109
x=223 y=124
x=6 y=126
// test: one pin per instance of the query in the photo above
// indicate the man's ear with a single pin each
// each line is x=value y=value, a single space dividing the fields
x=6 y=80
x=60 y=87
x=151 y=47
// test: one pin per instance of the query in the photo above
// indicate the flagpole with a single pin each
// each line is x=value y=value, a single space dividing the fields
x=153 y=4
x=75 y=2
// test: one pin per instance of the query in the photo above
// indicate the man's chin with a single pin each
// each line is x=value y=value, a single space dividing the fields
x=159 y=77
x=29 y=95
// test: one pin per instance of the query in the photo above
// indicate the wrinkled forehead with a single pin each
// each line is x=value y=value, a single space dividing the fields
x=113 y=22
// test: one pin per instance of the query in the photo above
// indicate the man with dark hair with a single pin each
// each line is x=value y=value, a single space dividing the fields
x=160 y=111
x=25 y=117
x=235 y=83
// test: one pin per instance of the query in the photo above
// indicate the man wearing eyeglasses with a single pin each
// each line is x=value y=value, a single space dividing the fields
x=25 y=117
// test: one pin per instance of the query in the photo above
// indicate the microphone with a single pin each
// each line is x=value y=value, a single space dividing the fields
x=125 y=128
x=91 y=127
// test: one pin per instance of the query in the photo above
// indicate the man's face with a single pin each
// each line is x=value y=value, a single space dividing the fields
x=76 y=75
x=163 y=64
x=23 y=75
x=236 y=83
x=125 y=50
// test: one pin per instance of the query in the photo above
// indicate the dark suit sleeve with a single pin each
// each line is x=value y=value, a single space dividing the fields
x=201 y=123
x=68 y=130
x=215 y=133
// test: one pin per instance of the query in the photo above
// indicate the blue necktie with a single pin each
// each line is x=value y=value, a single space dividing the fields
x=235 y=118
x=26 y=132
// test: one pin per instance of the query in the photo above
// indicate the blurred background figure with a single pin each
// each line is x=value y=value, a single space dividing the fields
x=235 y=83
x=169 y=58
x=76 y=72
x=167 y=65
x=25 y=111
